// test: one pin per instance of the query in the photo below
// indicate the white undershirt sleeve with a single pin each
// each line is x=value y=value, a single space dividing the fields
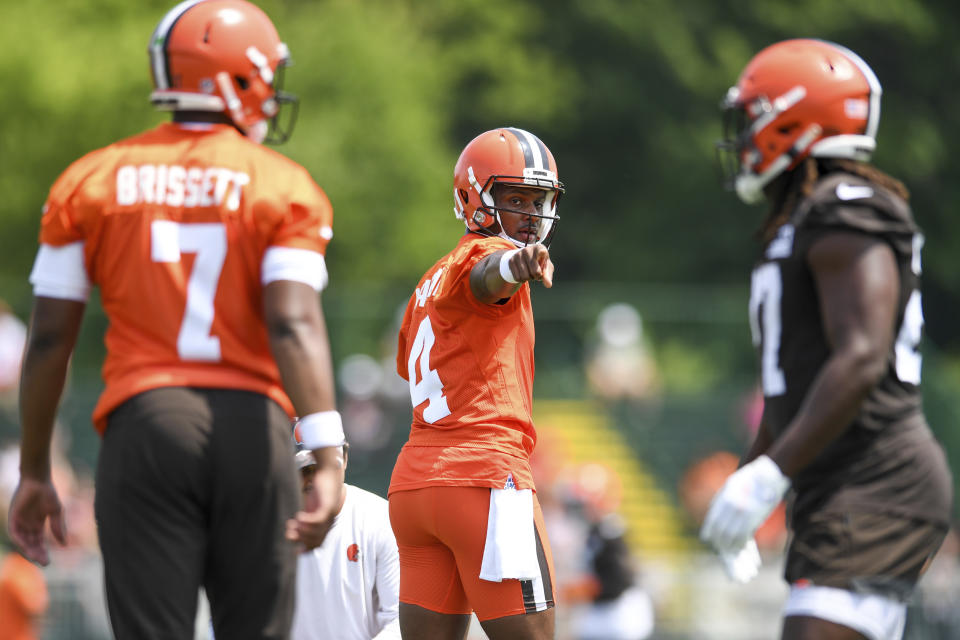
x=388 y=584
x=298 y=265
x=390 y=632
x=60 y=272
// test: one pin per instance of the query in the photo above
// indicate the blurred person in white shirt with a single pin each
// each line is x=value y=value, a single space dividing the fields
x=348 y=585
x=13 y=338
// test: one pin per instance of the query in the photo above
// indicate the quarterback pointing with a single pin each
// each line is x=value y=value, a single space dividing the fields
x=462 y=502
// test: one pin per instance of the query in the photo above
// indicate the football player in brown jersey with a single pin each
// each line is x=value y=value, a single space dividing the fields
x=836 y=317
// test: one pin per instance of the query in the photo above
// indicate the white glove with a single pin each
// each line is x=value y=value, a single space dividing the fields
x=745 y=501
x=742 y=566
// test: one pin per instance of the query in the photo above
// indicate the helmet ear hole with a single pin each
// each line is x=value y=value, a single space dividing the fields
x=464 y=196
x=242 y=82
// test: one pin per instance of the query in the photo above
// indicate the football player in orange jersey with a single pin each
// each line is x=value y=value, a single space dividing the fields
x=462 y=502
x=208 y=251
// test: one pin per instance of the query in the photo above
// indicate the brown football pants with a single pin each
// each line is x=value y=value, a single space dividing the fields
x=193 y=488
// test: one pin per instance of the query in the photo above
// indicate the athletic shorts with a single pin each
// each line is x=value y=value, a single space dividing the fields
x=194 y=487
x=873 y=616
x=441 y=533
x=862 y=552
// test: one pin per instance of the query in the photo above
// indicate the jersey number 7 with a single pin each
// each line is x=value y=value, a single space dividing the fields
x=168 y=240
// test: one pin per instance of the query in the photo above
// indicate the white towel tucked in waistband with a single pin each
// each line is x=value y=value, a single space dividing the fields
x=510 y=551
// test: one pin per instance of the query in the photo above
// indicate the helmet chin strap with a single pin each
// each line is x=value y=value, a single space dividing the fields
x=750 y=186
x=503 y=234
x=234 y=106
x=541 y=232
x=258 y=131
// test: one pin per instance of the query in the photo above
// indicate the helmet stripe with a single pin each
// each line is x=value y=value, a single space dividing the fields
x=534 y=151
x=544 y=154
x=159 y=64
x=873 y=117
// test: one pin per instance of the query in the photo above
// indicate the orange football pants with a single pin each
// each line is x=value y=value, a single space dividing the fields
x=441 y=533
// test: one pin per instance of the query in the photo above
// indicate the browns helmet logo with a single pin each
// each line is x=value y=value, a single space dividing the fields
x=353 y=553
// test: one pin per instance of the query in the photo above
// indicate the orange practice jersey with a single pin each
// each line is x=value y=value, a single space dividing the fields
x=471 y=369
x=175 y=223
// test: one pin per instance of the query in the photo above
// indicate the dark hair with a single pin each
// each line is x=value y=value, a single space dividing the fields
x=791 y=187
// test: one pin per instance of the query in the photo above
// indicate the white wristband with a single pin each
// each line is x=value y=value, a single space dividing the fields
x=505 y=272
x=322 y=429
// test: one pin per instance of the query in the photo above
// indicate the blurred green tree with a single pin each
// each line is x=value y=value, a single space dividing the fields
x=624 y=93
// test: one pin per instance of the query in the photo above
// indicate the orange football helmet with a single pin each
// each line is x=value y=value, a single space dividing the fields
x=794 y=99
x=223 y=56
x=504 y=156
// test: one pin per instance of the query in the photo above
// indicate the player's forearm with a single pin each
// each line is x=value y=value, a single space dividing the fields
x=54 y=326
x=834 y=399
x=760 y=444
x=328 y=480
x=41 y=385
x=298 y=341
x=487 y=281
x=302 y=354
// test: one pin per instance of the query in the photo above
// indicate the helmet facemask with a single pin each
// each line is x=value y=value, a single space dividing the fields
x=546 y=220
x=285 y=108
x=735 y=139
x=276 y=106
x=761 y=132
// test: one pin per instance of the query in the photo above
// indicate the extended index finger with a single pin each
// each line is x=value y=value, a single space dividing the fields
x=58 y=527
x=548 y=274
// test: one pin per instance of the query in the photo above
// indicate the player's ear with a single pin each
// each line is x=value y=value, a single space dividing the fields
x=346 y=448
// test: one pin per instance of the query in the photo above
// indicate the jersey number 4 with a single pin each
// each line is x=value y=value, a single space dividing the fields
x=430 y=388
x=168 y=241
x=766 y=289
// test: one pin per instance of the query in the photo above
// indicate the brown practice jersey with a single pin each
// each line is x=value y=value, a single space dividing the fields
x=887 y=459
x=174 y=224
